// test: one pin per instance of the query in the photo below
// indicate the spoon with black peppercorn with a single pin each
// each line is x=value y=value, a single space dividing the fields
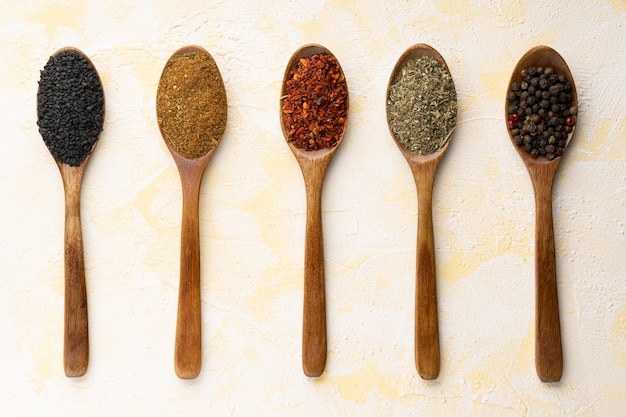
x=191 y=111
x=548 y=348
x=70 y=110
x=313 y=164
x=424 y=168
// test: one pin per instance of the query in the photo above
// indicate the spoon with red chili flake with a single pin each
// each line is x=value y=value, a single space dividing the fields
x=424 y=168
x=313 y=118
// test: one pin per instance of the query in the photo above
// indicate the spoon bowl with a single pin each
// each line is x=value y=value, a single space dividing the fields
x=541 y=56
x=188 y=346
x=313 y=165
x=76 y=328
x=548 y=347
x=424 y=168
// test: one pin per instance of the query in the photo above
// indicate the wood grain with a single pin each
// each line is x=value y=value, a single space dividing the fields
x=76 y=329
x=548 y=344
x=424 y=168
x=427 y=355
x=314 y=307
x=313 y=165
x=188 y=346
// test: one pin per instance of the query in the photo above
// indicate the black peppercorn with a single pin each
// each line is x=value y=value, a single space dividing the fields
x=542 y=101
x=542 y=113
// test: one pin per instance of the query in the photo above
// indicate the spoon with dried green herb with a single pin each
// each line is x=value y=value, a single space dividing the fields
x=191 y=112
x=421 y=114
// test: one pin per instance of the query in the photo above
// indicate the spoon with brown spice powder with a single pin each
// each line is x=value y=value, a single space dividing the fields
x=548 y=348
x=423 y=156
x=191 y=112
x=313 y=118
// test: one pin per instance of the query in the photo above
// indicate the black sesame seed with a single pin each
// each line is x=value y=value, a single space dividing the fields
x=70 y=107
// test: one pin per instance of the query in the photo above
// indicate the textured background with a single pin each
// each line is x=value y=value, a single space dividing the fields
x=253 y=212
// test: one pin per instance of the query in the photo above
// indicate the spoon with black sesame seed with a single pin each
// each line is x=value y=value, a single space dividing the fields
x=541 y=109
x=421 y=114
x=70 y=115
x=191 y=111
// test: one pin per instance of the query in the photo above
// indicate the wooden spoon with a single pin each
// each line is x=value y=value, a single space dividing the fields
x=188 y=347
x=76 y=345
x=424 y=168
x=313 y=165
x=548 y=349
x=76 y=327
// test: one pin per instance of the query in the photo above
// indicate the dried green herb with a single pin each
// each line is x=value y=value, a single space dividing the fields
x=422 y=105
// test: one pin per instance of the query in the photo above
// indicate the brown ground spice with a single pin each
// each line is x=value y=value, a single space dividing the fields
x=191 y=104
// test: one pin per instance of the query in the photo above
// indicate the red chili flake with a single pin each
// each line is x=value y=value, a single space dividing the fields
x=314 y=107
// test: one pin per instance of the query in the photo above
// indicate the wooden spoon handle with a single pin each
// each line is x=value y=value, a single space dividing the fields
x=76 y=329
x=188 y=348
x=314 y=312
x=548 y=348
x=426 y=319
